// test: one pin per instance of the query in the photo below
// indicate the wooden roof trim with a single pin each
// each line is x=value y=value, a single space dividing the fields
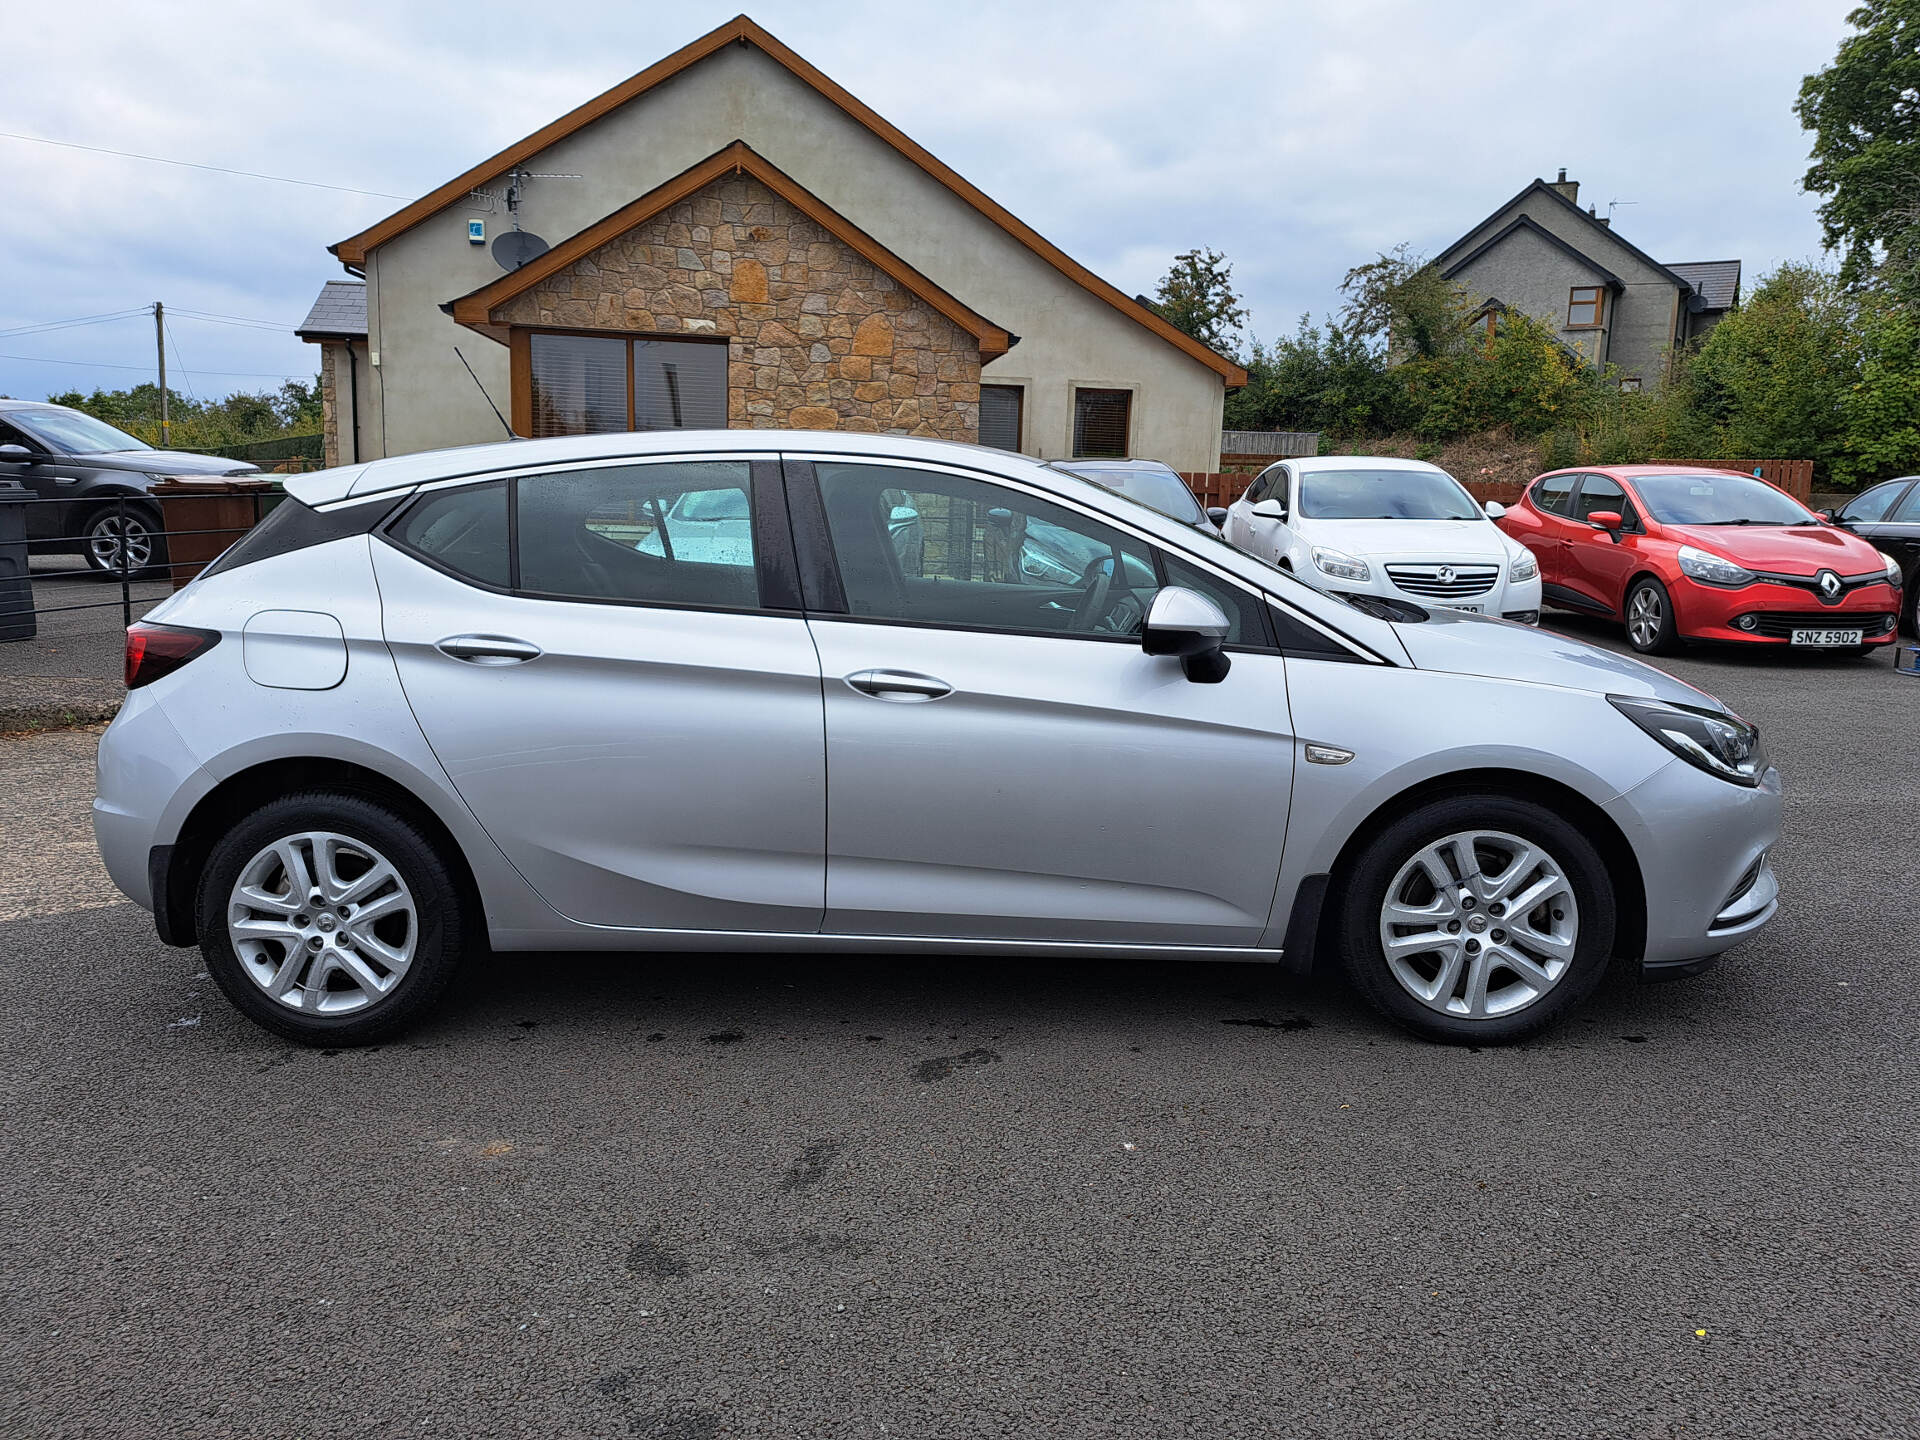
x=354 y=250
x=475 y=310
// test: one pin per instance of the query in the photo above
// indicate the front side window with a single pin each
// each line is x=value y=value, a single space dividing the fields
x=1871 y=506
x=1387 y=494
x=1102 y=424
x=678 y=533
x=599 y=384
x=1586 y=305
x=1597 y=492
x=940 y=549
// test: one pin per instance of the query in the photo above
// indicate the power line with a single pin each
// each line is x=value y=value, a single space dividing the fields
x=148 y=369
x=40 y=326
x=231 y=319
x=196 y=165
x=166 y=331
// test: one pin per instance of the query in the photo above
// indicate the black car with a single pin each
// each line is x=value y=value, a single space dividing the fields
x=63 y=454
x=1888 y=515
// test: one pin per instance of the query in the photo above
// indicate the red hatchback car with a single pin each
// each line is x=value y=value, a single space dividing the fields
x=1689 y=554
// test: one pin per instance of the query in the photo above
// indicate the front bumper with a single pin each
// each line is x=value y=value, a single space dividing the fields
x=1767 y=614
x=1506 y=599
x=1705 y=852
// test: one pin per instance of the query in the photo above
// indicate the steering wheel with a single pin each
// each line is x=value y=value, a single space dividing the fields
x=1091 y=607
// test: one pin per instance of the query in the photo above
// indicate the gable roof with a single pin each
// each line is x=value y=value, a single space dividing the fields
x=1541 y=187
x=1613 y=281
x=475 y=310
x=339 y=313
x=1716 y=281
x=355 y=248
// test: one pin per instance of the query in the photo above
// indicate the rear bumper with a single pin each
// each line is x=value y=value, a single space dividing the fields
x=145 y=781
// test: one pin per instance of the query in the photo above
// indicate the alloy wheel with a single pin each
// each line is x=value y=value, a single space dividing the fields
x=1479 y=924
x=116 y=543
x=1645 y=616
x=323 y=923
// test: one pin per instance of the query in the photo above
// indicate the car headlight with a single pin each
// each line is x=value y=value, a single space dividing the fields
x=1339 y=564
x=1710 y=569
x=1525 y=567
x=1894 y=577
x=1721 y=744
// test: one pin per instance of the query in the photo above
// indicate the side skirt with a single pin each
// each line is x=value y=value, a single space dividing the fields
x=654 y=941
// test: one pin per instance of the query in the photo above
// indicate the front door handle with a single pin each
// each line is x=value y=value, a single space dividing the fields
x=489 y=649
x=898 y=685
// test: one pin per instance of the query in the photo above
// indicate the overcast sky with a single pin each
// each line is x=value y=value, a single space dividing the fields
x=1300 y=139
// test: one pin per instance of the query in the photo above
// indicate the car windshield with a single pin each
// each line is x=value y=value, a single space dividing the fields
x=74 y=433
x=1718 y=500
x=1384 y=495
x=1158 y=489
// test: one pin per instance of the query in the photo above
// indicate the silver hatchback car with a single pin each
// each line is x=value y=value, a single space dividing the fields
x=688 y=691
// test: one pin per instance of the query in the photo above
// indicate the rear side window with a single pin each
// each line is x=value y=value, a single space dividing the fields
x=1554 y=493
x=291 y=526
x=464 y=531
x=666 y=534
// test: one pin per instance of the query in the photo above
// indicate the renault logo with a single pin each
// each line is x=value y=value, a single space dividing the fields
x=1829 y=586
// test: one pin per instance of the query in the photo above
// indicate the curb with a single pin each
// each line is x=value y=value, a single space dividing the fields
x=54 y=704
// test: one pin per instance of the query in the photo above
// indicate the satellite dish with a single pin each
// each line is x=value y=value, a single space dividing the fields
x=514 y=248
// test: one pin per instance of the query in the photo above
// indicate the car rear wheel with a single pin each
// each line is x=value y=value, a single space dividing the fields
x=1650 y=625
x=1477 y=919
x=125 y=539
x=329 y=919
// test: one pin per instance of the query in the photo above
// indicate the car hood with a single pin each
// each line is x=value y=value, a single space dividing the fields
x=167 y=462
x=1801 y=550
x=1424 y=539
x=1461 y=644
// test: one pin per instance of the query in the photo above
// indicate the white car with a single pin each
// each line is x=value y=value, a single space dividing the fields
x=1359 y=525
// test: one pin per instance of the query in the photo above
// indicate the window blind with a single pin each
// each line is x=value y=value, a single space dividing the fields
x=1100 y=423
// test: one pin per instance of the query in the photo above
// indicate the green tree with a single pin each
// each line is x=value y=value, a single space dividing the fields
x=1197 y=296
x=1881 y=408
x=1772 y=377
x=1864 y=112
x=1402 y=303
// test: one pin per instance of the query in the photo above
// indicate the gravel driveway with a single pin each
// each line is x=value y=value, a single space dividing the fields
x=783 y=1197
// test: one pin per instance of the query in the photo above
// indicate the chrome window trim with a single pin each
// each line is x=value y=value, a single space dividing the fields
x=1117 y=522
x=480 y=477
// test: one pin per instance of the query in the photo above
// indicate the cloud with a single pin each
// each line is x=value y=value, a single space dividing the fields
x=1299 y=138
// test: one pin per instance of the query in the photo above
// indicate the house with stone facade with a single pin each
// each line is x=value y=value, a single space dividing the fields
x=1609 y=301
x=730 y=239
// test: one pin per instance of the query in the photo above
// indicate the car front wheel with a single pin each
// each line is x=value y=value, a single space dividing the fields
x=1477 y=919
x=1650 y=625
x=329 y=919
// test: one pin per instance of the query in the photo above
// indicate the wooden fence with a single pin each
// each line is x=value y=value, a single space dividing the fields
x=1793 y=476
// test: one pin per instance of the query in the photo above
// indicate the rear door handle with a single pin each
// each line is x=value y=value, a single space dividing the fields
x=898 y=685
x=489 y=649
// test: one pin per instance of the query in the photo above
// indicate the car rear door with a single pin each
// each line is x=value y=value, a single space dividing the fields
x=1549 y=506
x=637 y=727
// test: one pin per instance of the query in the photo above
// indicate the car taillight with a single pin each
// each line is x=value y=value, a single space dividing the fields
x=156 y=650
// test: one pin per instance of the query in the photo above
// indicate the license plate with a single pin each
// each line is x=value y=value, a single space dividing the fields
x=1450 y=605
x=1826 y=637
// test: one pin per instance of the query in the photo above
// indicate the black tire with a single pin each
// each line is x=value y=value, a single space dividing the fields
x=441 y=922
x=101 y=544
x=1362 y=896
x=1665 y=635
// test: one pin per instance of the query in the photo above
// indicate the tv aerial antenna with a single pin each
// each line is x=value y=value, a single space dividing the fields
x=1613 y=205
x=514 y=247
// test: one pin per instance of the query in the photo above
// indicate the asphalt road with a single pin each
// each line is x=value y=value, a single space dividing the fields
x=830 y=1197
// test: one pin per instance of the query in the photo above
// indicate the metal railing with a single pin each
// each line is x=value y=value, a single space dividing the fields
x=123 y=560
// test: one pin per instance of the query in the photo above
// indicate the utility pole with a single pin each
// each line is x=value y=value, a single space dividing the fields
x=160 y=344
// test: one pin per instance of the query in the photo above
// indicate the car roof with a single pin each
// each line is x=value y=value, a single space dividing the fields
x=7 y=404
x=1066 y=464
x=1362 y=462
x=1629 y=472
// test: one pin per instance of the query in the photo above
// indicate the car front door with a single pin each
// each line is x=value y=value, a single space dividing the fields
x=1888 y=516
x=1004 y=761
x=1597 y=563
x=50 y=477
x=637 y=726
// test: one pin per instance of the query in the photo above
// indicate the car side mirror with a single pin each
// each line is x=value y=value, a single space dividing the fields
x=1494 y=509
x=19 y=454
x=1608 y=520
x=1186 y=624
x=1271 y=510
x=1217 y=514
x=1832 y=517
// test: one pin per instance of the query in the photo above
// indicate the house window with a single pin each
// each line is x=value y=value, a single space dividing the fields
x=1102 y=421
x=1001 y=408
x=1630 y=384
x=593 y=384
x=1586 y=305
